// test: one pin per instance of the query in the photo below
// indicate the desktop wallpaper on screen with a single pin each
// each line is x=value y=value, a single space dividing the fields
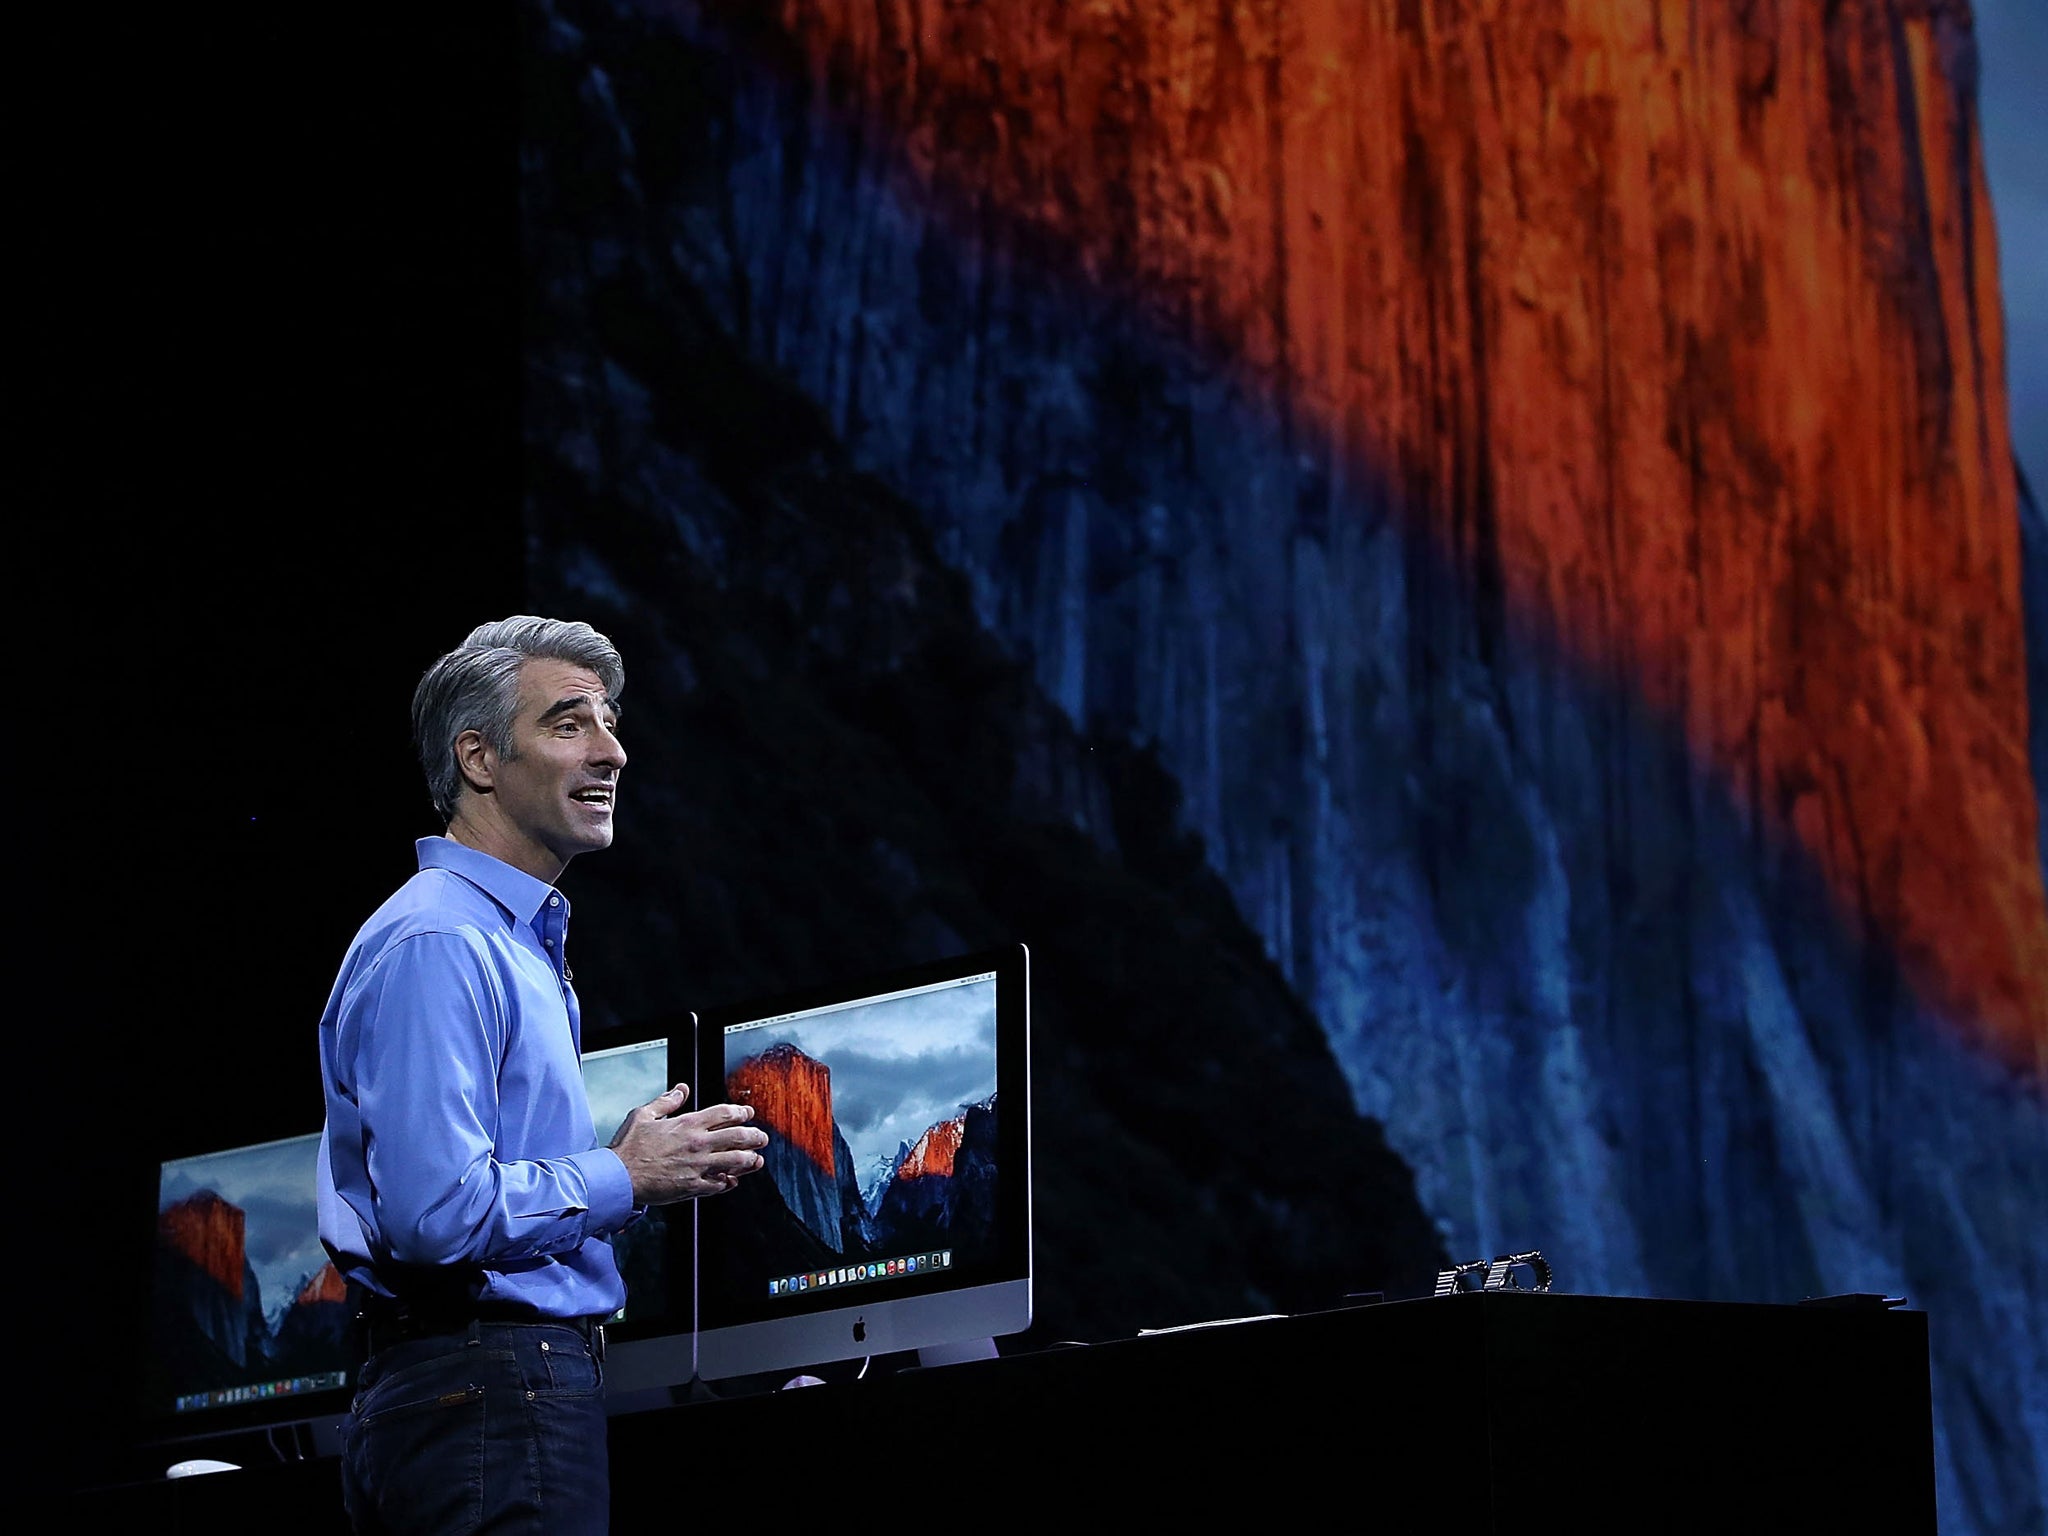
x=249 y=1315
x=619 y=1079
x=882 y=1155
x=247 y=1309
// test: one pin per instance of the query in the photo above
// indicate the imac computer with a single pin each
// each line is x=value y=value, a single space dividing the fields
x=894 y=1210
x=248 y=1321
x=249 y=1327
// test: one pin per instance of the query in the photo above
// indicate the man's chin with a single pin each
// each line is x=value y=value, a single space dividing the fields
x=587 y=839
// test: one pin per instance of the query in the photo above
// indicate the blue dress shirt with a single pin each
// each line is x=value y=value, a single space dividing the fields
x=458 y=1140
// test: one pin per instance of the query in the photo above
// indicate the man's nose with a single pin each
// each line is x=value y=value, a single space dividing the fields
x=611 y=752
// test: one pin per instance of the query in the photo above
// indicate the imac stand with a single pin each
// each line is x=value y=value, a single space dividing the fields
x=955 y=1353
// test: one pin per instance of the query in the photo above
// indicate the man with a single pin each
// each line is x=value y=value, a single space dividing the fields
x=463 y=1194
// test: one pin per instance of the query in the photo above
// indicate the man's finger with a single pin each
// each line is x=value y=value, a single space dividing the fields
x=734 y=1138
x=719 y=1116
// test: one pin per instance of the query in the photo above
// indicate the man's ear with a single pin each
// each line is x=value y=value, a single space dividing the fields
x=476 y=761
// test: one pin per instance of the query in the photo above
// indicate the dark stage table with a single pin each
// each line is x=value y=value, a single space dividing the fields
x=1497 y=1412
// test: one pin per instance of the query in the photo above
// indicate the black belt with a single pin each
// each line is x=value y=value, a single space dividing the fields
x=381 y=1328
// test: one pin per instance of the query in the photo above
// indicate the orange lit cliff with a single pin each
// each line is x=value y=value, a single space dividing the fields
x=324 y=1285
x=1680 y=332
x=209 y=1232
x=934 y=1152
x=792 y=1096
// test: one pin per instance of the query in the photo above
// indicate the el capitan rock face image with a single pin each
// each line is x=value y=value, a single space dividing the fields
x=806 y=1158
x=940 y=1190
x=1457 y=564
x=212 y=1327
x=932 y=1154
x=206 y=1231
x=1679 y=337
x=794 y=1093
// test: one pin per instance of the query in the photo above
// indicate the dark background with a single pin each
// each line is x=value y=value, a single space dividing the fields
x=273 y=339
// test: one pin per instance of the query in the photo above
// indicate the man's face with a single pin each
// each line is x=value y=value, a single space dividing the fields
x=558 y=787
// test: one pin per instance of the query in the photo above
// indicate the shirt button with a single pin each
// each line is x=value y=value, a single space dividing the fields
x=554 y=901
x=550 y=943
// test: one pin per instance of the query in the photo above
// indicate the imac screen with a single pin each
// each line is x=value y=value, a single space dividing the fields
x=249 y=1317
x=650 y=1342
x=249 y=1320
x=894 y=1208
x=619 y=1079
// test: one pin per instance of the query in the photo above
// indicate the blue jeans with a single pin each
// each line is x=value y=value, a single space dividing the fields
x=497 y=1428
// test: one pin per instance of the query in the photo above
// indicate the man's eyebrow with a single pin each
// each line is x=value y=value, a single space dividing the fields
x=577 y=701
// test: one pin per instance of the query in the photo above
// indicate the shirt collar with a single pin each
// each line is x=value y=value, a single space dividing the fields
x=513 y=889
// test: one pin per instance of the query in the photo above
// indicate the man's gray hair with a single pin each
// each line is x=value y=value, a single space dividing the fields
x=475 y=687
